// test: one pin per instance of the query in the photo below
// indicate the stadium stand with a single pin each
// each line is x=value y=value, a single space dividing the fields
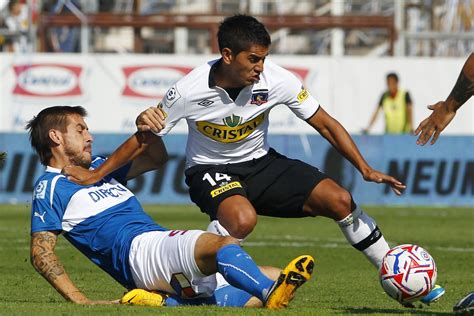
x=318 y=27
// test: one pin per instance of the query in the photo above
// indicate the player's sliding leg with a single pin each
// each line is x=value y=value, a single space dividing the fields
x=222 y=254
x=330 y=200
x=225 y=294
x=213 y=253
x=185 y=263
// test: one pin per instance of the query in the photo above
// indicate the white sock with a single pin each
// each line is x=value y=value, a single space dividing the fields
x=363 y=234
x=216 y=228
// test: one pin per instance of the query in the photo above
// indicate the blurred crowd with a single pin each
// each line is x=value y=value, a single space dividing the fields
x=19 y=21
x=14 y=25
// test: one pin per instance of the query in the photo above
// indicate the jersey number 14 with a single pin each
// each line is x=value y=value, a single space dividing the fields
x=217 y=177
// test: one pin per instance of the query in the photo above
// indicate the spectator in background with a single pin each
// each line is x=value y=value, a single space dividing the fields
x=17 y=21
x=64 y=39
x=397 y=107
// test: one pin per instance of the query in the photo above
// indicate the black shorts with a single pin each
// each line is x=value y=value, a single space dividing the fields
x=275 y=185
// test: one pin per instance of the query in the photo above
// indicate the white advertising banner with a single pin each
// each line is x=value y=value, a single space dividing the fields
x=115 y=88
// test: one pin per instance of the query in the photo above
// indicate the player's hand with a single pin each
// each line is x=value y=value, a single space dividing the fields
x=81 y=175
x=379 y=177
x=433 y=125
x=152 y=119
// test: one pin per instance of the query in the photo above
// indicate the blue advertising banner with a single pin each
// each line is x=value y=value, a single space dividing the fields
x=442 y=174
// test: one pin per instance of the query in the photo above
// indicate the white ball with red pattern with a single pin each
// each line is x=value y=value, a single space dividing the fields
x=408 y=273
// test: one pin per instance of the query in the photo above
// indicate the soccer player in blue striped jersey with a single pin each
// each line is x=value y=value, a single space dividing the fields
x=106 y=222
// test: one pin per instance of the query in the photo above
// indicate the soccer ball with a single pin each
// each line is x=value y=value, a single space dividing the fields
x=408 y=273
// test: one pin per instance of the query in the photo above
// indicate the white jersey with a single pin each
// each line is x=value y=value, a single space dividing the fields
x=222 y=130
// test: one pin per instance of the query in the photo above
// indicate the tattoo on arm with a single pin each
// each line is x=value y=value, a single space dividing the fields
x=463 y=89
x=43 y=257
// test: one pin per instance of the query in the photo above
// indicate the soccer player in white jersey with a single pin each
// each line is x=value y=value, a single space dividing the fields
x=107 y=224
x=232 y=172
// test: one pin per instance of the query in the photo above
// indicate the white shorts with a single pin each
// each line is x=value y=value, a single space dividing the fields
x=164 y=261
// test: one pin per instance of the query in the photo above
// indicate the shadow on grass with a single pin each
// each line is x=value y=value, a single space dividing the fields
x=412 y=311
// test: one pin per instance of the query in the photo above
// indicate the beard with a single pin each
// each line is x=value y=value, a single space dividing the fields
x=77 y=159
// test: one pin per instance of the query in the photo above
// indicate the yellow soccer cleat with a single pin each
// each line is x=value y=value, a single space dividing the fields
x=296 y=273
x=143 y=297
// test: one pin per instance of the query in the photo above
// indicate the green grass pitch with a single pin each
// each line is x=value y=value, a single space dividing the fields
x=344 y=282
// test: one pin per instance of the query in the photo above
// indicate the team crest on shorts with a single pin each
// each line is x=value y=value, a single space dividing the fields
x=259 y=97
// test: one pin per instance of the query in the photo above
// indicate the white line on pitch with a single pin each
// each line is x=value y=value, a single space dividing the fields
x=268 y=241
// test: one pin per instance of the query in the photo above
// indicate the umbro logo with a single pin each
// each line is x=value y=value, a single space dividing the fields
x=205 y=103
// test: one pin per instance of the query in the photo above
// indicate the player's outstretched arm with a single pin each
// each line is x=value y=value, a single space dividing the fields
x=340 y=139
x=152 y=156
x=45 y=261
x=444 y=111
x=144 y=149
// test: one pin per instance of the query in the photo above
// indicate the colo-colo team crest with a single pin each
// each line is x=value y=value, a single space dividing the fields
x=233 y=130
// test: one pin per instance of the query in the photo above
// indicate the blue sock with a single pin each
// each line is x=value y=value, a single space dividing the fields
x=226 y=296
x=229 y=296
x=174 y=300
x=240 y=271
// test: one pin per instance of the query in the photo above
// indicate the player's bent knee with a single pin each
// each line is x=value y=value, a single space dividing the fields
x=242 y=225
x=237 y=215
x=345 y=200
x=341 y=204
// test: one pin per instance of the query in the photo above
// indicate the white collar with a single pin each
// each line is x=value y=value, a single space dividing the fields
x=51 y=169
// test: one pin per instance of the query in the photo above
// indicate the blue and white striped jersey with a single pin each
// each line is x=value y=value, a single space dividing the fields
x=100 y=220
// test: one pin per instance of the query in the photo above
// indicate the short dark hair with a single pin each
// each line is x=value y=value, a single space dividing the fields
x=55 y=117
x=12 y=3
x=239 y=32
x=392 y=75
